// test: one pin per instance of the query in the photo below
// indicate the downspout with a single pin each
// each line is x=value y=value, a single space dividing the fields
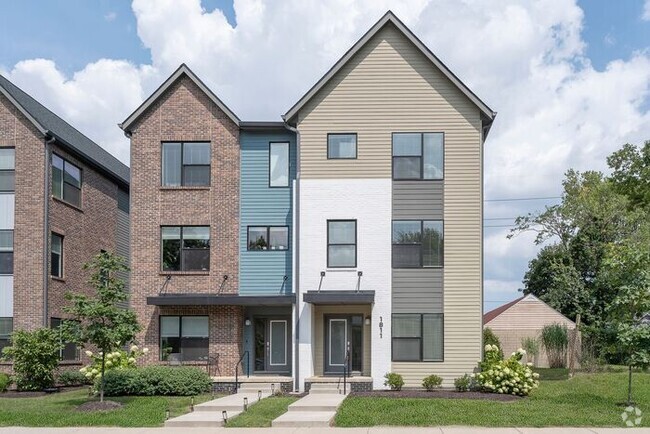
x=46 y=224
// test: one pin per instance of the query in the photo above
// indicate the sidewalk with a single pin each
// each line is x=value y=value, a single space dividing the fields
x=373 y=430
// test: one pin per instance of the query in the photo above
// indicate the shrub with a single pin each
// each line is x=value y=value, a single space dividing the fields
x=157 y=380
x=508 y=376
x=119 y=359
x=531 y=346
x=555 y=339
x=463 y=384
x=431 y=382
x=5 y=382
x=489 y=338
x=394 y=381
x=35 y=355
x=72 y=378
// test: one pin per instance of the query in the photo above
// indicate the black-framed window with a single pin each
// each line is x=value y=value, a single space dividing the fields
x=186 y=164
x=418 y=156
x=7 y=251
x=68 y=351
x=7 y=170
x=341 y=243
x=6 y=328
x=184 y=338
x=341 y=146
x=418 y=243
x=185 y=248
x=418 y=337
x=66 y=180
x=56 y=255
x=279 y=164
x=268 y=238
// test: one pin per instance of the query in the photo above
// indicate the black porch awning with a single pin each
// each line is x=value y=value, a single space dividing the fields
x=221 y=300
x=339 y=297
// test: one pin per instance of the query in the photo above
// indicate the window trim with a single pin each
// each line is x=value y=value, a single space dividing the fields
x=356 y=146
x=63 y=182
x=288 y=164
x=421 y=266
x=180 y=334
x=421 y=339
x=181 y=270
x=10 y=170
x=61 y=263
x=182 y=143
x=421 y=156
x=268 y=237
x=356 y=242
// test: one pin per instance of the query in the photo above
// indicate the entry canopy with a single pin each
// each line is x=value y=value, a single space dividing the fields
x=339 y=297
x=221 y=300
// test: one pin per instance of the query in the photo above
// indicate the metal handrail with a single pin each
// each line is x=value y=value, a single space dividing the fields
x=346 y=371
x=248 y=368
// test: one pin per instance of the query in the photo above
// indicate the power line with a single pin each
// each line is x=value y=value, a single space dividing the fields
x=500 y=218
x=499 y=226
x=522 y=198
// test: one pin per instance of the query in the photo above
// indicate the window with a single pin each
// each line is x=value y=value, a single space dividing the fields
x=6 y=252
x=185 y=248
x=418 y=156
x=184 y=337
x=7 y=170
x=417 y=243
x=186 y=164
x=69 y=349
x=56 y=256
x=6 y=328
x=66 y=181
x=341 y=243
x=341 y=146
x=418 y=337
x=279 y=164
x=268 y=238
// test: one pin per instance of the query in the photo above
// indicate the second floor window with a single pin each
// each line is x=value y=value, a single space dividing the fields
x=6 y=252
x=279 y=164
x=417 y=243
x=418 y=156
x=56 y=249
x=341 y=146
x=185 y=248
x=66 y=181
x=7 y=170
x=268 y=238
x=186 y=164
x=341 y=243
x=6 y=328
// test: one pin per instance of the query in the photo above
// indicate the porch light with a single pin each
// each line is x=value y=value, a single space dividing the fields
x=259 y=395
x=247 y=322
x=367 y=320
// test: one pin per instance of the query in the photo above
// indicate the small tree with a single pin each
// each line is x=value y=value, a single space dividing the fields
x=531 y=346
x=99 y=321
x=35 y=356
x=489 y=338
x=555 y=340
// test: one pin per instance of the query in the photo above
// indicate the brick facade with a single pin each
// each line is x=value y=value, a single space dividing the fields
x=185 y=113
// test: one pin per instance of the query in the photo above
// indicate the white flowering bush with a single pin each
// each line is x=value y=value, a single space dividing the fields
x=119 y=359
x=508 y=376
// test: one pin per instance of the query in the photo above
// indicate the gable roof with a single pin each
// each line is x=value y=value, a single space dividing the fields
x=50 y=124
x=489 y=316
x=389 y=17
x=182 y=70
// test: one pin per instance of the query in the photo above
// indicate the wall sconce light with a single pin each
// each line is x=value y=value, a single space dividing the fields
x=367 y=320
x=381 y=327
x=247 y=322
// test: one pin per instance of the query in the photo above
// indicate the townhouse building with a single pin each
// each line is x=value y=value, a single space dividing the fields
x=63 y=199
x=345 y=240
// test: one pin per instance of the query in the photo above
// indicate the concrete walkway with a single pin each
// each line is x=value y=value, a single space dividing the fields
x=375 y=430
x=314 y=410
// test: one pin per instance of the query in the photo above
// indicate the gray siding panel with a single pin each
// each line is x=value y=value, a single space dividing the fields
x=418 y=290
x=122 y=247
x=421 y=200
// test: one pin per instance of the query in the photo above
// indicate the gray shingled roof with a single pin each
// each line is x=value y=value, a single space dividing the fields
x=49 y=123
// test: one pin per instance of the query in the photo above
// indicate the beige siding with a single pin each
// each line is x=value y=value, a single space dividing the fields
x=529 y=314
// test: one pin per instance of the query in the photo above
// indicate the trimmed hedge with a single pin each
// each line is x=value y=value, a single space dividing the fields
x=5 y=382
x=72 y=378
x=157 y=380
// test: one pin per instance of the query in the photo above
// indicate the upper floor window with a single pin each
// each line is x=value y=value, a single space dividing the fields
x=7 y=252
x=268 y=238
x=341 y=243
x=186 y=164
x=417 y=243
x=66 y=181
x=341 y=146
x=418 y=156
x=56 y=255
x=7 y=170
x=279 y=164
x=185 y=248
x=418 y=337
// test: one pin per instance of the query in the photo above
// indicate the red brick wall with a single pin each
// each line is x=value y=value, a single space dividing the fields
x=185 y=113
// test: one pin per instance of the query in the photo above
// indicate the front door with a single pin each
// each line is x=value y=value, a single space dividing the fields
x=272 y=336
x=343 y=344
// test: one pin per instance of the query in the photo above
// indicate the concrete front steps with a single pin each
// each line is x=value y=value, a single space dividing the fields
x=314 y=410
x=210 y=414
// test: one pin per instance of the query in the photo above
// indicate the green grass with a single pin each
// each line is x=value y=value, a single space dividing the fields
x=262 y=413
x=552 y=373
x=585 y=400
x=59 y=410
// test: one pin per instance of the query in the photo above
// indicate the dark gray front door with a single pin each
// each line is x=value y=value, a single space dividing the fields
x=343 y=343
x=272 y=349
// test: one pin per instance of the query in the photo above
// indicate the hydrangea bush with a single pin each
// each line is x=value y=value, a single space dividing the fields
x=509 y=376
x=120 y=359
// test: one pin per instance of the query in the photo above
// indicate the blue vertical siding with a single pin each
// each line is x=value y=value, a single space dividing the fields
x=261 y=272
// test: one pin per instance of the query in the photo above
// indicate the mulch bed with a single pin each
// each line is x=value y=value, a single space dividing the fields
x=36 y=394
x=437 y=394
x=99 y=406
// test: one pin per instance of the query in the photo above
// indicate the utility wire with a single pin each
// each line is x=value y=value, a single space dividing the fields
x=522 y=198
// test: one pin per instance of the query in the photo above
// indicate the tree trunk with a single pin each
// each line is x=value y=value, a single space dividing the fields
x=101 y=386
x=629 y=386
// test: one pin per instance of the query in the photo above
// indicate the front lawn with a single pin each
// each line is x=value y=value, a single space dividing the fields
x=585 y=400
x=552 y=373
x=262 y=413
x=59 y=409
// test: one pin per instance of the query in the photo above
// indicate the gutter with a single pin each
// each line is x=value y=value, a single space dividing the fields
x=49 y=139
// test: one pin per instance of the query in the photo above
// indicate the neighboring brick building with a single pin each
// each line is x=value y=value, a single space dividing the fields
x=63 y=199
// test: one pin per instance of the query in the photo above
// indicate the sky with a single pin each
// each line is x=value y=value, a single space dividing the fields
x=570 y=79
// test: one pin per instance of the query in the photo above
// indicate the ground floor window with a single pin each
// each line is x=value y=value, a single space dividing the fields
x=68 y=351
x=418 y=337
x=6 y=328
x=184 y=338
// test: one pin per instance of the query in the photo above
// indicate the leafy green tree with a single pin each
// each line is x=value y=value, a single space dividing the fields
x=631 y=173
x=35 y=356
x=100 y=322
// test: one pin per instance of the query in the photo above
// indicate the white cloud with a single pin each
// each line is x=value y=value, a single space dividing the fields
x=110 y=16
x=646 y=11
x=526 y=59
